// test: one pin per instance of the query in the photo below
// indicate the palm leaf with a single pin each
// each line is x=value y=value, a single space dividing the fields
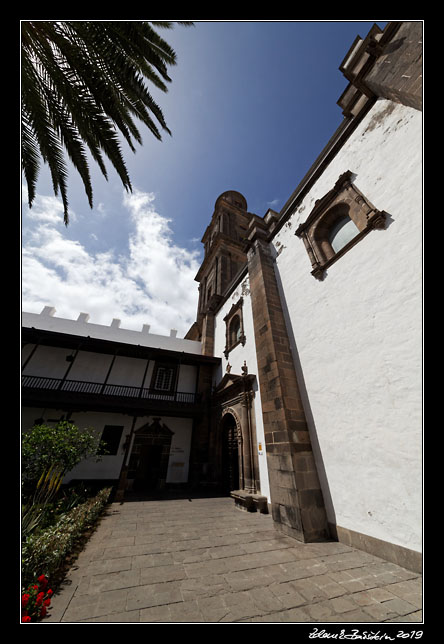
x=83 y=86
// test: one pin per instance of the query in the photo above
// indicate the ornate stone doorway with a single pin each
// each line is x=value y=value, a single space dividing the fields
x=230 y=454
x=234 y=443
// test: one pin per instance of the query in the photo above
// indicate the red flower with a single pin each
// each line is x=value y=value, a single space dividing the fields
x=43 y=611
x=50 y=593
x=25 y=599
x=43 y=581
x=26 y=618
x=39 y=599
x=47 y=602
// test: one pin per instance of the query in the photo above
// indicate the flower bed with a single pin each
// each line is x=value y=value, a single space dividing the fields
x=46 y=551
x=36 y=600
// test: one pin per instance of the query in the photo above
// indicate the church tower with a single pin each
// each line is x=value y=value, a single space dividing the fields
x=224 y=243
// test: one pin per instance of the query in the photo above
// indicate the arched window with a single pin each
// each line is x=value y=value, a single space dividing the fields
x=234 y=333
x=337 y=222
x=235 y=330
x=342 y=232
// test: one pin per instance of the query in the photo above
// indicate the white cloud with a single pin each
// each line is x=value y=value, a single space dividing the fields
x=46 y=209
x=150 y=283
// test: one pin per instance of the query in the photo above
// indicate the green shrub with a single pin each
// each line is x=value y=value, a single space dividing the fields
x=61 y=446
x=44 y=553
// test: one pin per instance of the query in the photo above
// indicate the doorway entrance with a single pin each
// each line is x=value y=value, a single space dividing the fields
x=230 y=454
x=148 y=463
x=148 y=473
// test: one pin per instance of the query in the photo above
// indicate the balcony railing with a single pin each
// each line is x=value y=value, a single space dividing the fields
x=101 y=389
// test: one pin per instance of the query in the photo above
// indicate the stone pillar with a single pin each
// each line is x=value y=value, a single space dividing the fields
x=208 y=325
x=249 y=475
x=296 y=496
x=208 y=334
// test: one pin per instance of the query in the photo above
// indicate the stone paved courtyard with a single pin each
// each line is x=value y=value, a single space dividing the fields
x=203 y=560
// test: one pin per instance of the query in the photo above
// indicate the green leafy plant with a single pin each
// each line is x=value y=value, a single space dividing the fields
x=47 y=487
x=47 y=549
x=61 y=446
x=48 y=453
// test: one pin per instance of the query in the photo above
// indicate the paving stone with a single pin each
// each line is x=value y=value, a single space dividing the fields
x=329 y=587
x=153 y=595
x=103 y=566
x=288 y=595
x=221 y=552
x=411 y=617
x=399 y=606
x=380 y=594
x=206 y=561
x=152 y=560
x=111 y=581
x=158 y=574
x=408 y=590
x=294 y=615
x=155 y=614
x=248 y=579
x=239 y=606
x=88 y=606
x=132 y=616
x=265 y=599
x=342 y=604
x=213 y=609
x=320 y=611
x=185 y=612
x=207 y=586
x=178 y=612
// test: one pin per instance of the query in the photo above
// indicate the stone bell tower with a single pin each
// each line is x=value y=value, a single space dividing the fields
x=224 y=243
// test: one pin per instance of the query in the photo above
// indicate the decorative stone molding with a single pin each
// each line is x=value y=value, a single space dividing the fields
x=234 y=396
x=234 y=327
x=344 y=199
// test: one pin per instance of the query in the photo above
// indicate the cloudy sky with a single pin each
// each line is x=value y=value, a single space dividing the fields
x=250 y=106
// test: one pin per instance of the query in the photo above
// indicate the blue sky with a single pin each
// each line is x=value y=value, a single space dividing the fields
x=250 y=106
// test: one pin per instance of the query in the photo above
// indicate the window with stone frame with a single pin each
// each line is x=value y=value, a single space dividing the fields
x=337 y=222
x=234 y=327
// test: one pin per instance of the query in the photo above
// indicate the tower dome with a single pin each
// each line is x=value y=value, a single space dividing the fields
x=233 y=197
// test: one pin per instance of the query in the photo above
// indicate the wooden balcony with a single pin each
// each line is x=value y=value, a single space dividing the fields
x=83 y=395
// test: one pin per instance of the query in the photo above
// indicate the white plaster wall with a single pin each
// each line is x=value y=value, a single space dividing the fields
x=47 y=362
x=47 y=320
x=236 y=359
x=179 y=461
x=187 y=378
x=88 y=366
x=109 y=466
x=128 y=371
x=357 y=335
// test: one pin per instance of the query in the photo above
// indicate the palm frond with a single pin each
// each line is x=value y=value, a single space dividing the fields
x=84 y=85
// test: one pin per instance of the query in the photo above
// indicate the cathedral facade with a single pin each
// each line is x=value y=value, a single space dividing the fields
x=298 y=388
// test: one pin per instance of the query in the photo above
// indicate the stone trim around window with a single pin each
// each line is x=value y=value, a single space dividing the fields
x=343 y=200
x=234 y=327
